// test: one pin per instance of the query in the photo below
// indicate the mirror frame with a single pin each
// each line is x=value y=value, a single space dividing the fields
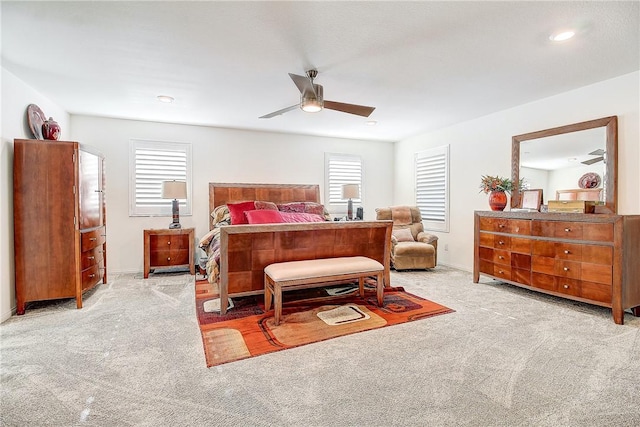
x=611 y=170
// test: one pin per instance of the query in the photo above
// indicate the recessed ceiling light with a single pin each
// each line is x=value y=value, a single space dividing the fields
x=562 y=36
x=164 y=98
x=371 y=122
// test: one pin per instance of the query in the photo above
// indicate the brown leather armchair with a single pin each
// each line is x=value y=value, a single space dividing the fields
x=411 y=247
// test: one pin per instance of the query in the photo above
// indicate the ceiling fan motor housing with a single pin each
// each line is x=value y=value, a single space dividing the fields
x=310 y=102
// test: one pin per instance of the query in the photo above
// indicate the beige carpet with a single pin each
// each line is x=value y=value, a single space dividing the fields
x=506 y=357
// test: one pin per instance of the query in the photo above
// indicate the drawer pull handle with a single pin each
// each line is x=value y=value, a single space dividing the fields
x=566 y=286
x=91 y=257
x=501 y=272
x=566 y=268
x=567 y=252
x=168 y=258
x=501 y=242
x=501 y=226
x=567 y=230
x=500 y=257
x=91 y=276
x=93 y=238
x=168 y=243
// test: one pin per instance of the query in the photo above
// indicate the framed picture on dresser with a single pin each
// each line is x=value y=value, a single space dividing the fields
x=531 y=199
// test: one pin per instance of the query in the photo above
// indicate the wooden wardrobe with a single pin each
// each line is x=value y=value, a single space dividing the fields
x=59 y=220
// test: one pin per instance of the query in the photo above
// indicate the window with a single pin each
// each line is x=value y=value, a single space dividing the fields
x=432 y=187
x=341 y=169
x=150 y=163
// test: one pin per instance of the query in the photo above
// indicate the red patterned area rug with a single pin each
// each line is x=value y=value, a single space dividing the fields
x=308 y=316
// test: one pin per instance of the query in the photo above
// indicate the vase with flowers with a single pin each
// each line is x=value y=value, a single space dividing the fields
x=497 y=188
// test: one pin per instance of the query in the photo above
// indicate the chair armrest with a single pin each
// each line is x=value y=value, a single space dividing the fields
x=427 y=238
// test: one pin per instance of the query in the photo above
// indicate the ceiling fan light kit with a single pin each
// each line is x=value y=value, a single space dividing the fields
x=312 y=103
x=312 y=99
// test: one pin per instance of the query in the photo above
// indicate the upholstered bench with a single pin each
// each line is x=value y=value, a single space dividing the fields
x=291 y=275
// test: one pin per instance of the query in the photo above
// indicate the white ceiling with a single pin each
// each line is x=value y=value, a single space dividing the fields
x=423 y=65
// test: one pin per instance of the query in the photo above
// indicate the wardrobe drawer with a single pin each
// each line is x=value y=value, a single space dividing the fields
x=93 y=238
x=91 y=257
x=92 y=275
x=568 y=286
x=543 y=264
x=543 y=281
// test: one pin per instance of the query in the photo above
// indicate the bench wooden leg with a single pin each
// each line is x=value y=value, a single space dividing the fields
x=268 y=294
x=380 y=289
x=277 y=296
x=361 y=286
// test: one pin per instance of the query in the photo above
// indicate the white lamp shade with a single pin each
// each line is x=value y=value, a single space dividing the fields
x=174 y=190
x=350 y=191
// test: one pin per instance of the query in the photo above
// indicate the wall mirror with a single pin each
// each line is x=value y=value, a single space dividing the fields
x=572 y=157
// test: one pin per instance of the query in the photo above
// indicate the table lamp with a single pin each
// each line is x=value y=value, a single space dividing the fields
x=174 y=190
x=350 y=191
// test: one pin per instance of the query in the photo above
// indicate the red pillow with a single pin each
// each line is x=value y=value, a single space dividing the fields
x=263 y=216
x=301 y=217
x=237 y=211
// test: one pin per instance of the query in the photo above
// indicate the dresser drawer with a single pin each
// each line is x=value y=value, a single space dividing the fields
x=543 y=264
x=544 y=281
x=502 y=271
x=569 y=286
x=520 y=245
x=495 y=241
x=485 y=253
x=502 y=257
x=91 y=257
x=595 y=291
x=509 y=226
x=92 y=239
x=597 y=254
x=598 y=273
x=570 y=269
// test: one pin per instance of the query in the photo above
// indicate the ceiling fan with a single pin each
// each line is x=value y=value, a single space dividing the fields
x=312 y=101
x=599 y=152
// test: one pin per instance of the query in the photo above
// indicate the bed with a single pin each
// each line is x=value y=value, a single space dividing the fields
x=238 y=254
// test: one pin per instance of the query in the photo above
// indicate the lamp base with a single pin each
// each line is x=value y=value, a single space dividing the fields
x=350 y=210
x=175 y=210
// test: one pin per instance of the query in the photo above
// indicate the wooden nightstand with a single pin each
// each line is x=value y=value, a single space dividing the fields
x=169 y=248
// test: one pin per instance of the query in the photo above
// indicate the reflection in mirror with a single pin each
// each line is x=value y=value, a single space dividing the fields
x=566 y=159
x=558 y=162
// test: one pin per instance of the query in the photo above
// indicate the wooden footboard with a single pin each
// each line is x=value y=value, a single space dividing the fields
x=247 y=249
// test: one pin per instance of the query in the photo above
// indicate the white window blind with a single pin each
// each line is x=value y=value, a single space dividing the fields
x=152 y=162
x=432 y=187
x=341 y=169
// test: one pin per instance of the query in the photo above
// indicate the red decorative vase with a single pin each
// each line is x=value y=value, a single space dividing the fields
x=51 y=129
x=497 y=200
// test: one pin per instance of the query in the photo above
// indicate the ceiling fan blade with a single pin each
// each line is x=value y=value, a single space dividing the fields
x=592 y=161
x=303 y=83
x=598 y=152
x=279 y=112
x=358 y=110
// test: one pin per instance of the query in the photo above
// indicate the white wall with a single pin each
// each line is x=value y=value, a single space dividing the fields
x=16 y=96
x=219 y=155
x=483 y=146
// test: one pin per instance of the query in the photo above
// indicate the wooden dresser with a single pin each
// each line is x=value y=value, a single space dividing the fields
x=591 y=258
x=169 y=248
x=59 y=220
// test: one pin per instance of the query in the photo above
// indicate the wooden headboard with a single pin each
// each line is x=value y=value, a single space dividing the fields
x=223 y=193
